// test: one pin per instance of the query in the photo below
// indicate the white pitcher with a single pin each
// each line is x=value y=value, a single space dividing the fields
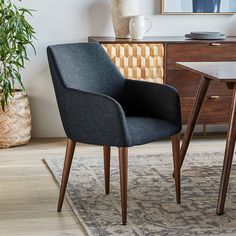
x=138 y=26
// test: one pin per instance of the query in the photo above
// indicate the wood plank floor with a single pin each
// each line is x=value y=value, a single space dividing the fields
x=28 y=192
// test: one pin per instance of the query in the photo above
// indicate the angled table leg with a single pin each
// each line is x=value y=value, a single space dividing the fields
x=202 y=90
x=229 y=153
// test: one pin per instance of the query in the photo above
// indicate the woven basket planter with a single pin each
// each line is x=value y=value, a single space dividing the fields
x=15 y=122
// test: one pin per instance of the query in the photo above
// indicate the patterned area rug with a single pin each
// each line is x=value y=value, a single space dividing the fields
x=152 y=209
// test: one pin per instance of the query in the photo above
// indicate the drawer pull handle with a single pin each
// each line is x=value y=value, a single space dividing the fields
x=214 y=97
x=215 y=44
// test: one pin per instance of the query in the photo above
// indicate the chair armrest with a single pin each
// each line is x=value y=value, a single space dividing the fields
x=94 y=118
x=153 y=100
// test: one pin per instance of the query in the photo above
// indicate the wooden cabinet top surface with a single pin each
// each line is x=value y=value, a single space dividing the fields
x=160 y=39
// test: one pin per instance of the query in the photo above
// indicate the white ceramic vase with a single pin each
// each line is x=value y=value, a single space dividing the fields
x=121 y=11
x=138 y=26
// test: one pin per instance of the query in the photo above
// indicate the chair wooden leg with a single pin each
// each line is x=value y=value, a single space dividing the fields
x=107 y=156
x=177 y=165
x=70 y=148
x=123 y=162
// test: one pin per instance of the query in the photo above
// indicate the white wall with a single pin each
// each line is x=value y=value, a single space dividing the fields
x=61 y=21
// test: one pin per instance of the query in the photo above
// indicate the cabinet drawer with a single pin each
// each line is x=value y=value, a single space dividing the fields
x=199 y=52
x=213 y=110
x=187 y=82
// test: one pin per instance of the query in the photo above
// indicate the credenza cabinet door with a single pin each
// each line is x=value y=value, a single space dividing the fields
x=138 y=61
x=216 y=106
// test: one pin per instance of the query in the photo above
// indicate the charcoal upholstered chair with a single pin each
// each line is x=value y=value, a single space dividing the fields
x=98 y=106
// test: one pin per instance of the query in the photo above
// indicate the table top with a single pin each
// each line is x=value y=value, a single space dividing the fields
x=220 y=71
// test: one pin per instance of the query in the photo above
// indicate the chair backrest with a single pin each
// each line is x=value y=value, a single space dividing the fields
x=86 y=67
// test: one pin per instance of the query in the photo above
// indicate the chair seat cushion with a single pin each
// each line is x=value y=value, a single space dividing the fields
x=145 y=130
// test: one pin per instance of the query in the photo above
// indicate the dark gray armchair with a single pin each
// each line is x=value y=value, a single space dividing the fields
x=98 y=106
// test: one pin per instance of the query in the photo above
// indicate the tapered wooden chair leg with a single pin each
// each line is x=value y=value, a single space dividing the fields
x=70 y=148
x=177 y=165
x=107 y=156
x=123 y=162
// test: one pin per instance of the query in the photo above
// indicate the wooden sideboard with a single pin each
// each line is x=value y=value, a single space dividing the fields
x=154 y=59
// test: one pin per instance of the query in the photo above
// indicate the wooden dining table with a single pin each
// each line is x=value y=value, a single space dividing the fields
x=223 y=72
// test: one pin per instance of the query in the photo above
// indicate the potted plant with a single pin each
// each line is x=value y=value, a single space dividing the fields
x=15 y=35
x=206 y=6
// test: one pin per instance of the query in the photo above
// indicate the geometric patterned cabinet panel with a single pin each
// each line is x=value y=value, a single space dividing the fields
x=138 y=61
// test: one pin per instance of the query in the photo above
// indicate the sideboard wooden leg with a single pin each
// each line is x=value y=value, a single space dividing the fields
x=229 y=153
x=202 y=90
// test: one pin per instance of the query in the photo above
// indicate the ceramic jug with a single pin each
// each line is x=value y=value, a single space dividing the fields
x=138 y=26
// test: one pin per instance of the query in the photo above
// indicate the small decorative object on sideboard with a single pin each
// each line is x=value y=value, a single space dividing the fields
x=138 y=26
x=121 y=11
x=205 y=36
x=15 y=118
